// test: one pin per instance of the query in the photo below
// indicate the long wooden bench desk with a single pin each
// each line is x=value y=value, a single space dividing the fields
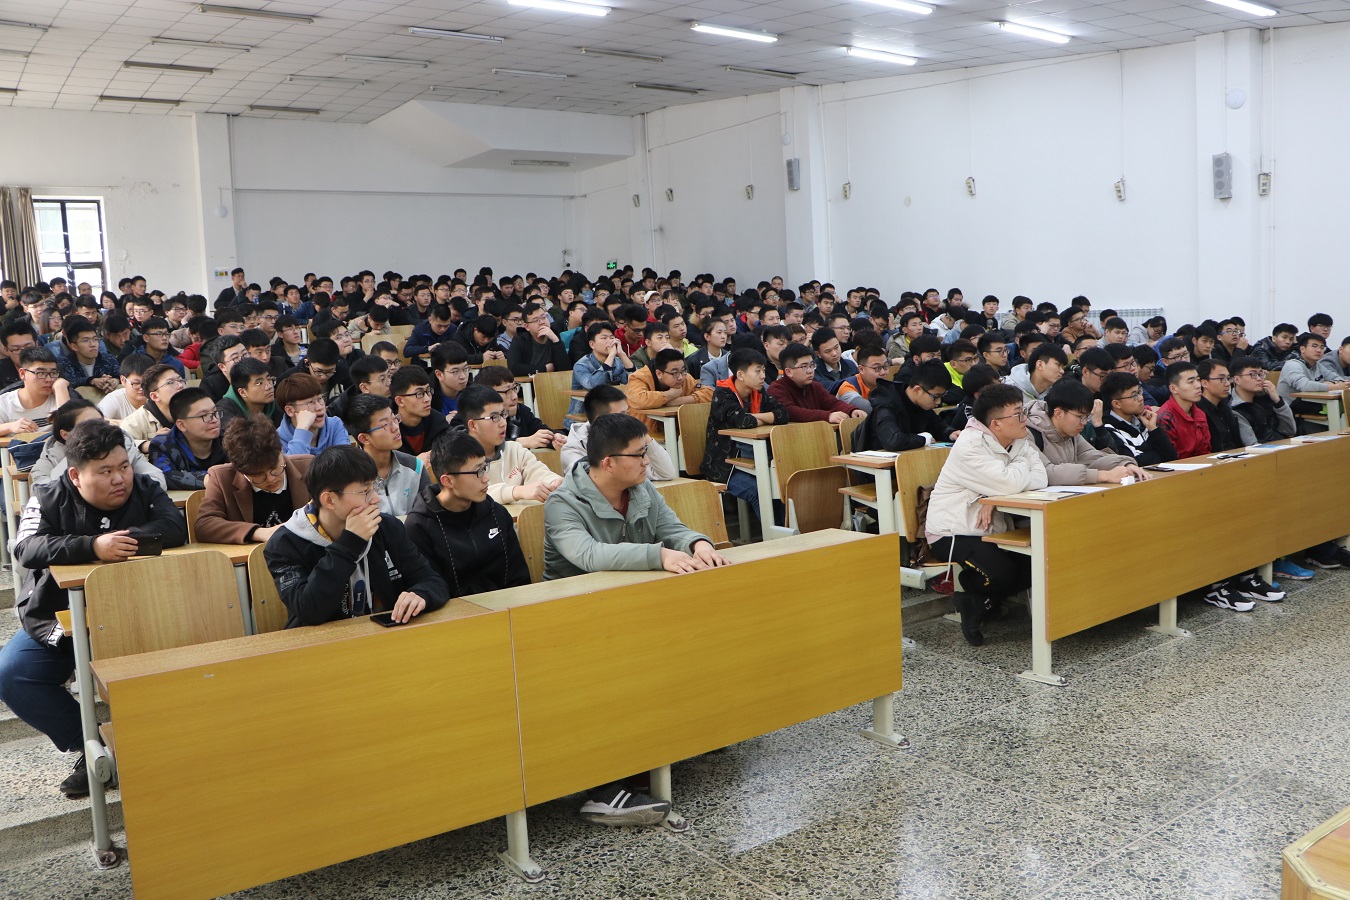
x=1103 y=555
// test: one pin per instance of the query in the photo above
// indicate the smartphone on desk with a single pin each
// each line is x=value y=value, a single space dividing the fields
x=149 y=545
x=386 y=619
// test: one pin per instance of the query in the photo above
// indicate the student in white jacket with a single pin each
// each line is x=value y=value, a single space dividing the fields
x=991 y=457
x=605 y=400
x=514 y=472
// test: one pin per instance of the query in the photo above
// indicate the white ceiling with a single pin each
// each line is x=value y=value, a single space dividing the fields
x=80 y=57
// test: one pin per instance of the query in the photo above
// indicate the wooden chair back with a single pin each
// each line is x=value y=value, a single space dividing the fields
x=90 y=393
x=530 y=531
x=550 y=397
x=846 y=429
x=550 y=458
x=801 y=445
x=693 y=427
x=698 y=504
x=269 y=613
x=162 y=602
x=495 y=362
x=813 y=500
x=191 y=511
x=915 y=469
x=1273 y=376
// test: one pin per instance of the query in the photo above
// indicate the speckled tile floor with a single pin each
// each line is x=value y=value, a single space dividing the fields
x=1167 y=768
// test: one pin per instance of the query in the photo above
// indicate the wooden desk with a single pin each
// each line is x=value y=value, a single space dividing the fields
x=1333 y=406
x=883 y=470
x=757 y=439
x=1317 y=865
x=249 y=760
x=180 y=498
x=668 y=416
x=745 y=650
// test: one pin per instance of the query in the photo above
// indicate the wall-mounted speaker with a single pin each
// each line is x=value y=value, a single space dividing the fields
x=794 y=173
x=1223 y=176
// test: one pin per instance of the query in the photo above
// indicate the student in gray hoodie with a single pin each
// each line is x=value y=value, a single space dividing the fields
x=605 y=400
x=1044 y=367
x=1056 y=425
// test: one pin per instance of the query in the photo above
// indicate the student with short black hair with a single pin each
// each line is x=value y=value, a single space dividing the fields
x=306 y=427
x=831 y=365
x=1115 y=330
x=903 y=416
x=1044 y=367
x=96 y=510
x=339 y=557
x=976 y=379
x=84 y=363
x=805 y=398
x=515 y=473
x=1131 y=424
x=539 y=349
x=373 y=426
x=664 y=381
x=606 y=399
x=1301 y=373
x=1055 y=425
x=993 y=349
x=522 y=425
x=29 y=408
x=192 y=446
x=873 y=365
x=130 y=397
x=52 y=463
x=411 y=391
x=368 y=375
x=1321 y=324
x=16 y=336
x=740 y=401
x=1215 y=387
x=252 y=393
x=607 y=363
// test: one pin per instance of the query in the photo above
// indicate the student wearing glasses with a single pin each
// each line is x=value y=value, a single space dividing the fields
x=1131 y=424
x=131 y=395
x=903 y=416
x=805 y=398
x=873 y=365
x=339 y=557
x=522 y=425
x=84 y=363
x=1056 y=426
x=374 y=427
x=29 y=408
x=411 y=391
x=515 y=473
x=306 y=427
x=254 y=494
x=252 y=393
x=192 y=446
x=664 y=381
x=155 y=345
x=540 y=349
x=158 y=384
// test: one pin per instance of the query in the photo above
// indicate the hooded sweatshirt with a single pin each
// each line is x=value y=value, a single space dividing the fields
x=475 y=551
x=1021 y=377
x=978 y=466
x=660 y=467
x=321 y=580
x=232 y=406
x=1068 y=460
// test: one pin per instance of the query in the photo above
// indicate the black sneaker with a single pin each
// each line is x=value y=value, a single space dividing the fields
x=1222 y=596
x=1343 y=557
x=614 y=805
x=1329 y=561
x=972 y=610
x=1252 y=587
x=77 y=782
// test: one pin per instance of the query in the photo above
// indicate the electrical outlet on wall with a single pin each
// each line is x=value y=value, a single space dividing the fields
x=848 y=189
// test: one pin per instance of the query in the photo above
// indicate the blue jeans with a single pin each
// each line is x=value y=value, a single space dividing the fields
x=744 y=487
x=33 y=684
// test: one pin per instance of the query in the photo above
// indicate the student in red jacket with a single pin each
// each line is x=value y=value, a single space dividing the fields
x=806 y=399
x=1181 y=416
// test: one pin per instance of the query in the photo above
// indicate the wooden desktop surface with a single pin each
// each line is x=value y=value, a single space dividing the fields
x=74 y=576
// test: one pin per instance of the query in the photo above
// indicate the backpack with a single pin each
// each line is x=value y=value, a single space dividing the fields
x=26 y=453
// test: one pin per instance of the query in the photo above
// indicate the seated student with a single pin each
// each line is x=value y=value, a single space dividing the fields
x=369 y=375
x=1215 y=388
x=287 y=350
x=1303 y=372
x=96 y=510
x=389 y=353
x=254 y=494
x=323 y=360
x=897 y=349
x=805 y=398
x=540 y=349
x=130 y=397
x=1202 y=342
x=515 y=473
x=450 y=369
x=925 y=348
x=1151 y=375
x=468 y=537
x=739 y=402
x=203 y=331
x=192 y=446
x=16 y=336
x=603 y=400
x=29 y=408
x=1131 y=424
x=958 y=356
x=1272 y=352
x=1044 y=367
x=1320 y=324
x=411 y=391
x=715 y=340
x=1231 y=334
x=1262 y=414
x=227 y=351
x=664 y=381
x=52 y=463
x=374 y=427
x=479 y=340
x=1149 y=333
x=85 y=364
x=856 y=389
x=306 y=427
x=1336 y=366
x=155 y=345
x=979 y=377
x=339 y=557
x=993 y=350
x=991 y=456
x=252 y=393
x=903 y=416
x=159 y=384
x=1181 y=416
x=1056 y=424
x=522 y=425
x=831 y=366
x=1115 y=330
x=607 y=363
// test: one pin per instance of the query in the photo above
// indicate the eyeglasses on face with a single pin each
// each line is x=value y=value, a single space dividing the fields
x=211 y=416
x=641 y=455
x=1020 y=415
x=419 y=394
x=495 y=418
x=480 y=472
x=170 y=383
x=390 y=424
x=261 y=477
x=508 y=391
x=937 y=396
x=44 y=374
x=676 y=373
x=369 y=494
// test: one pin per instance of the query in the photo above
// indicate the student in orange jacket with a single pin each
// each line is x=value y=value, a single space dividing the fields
x=665 y=381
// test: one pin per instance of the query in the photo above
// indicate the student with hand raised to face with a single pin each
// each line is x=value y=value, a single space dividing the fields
x=307 y=428
x=607 y=363
x=255 y=493
x=1131 y=424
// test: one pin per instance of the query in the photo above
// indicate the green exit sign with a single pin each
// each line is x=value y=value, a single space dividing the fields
x=612 y=265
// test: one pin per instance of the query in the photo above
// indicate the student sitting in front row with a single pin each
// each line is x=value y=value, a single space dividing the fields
x=192 y=446
x=468 y=537
x=1056 y=427
x=739 y=402
x=255 y=493
x=609 y=400
x=1131 y=424
x=514 y=473
x=903 y=416
x=339 y=557
x=96 y=510
x=52 y=463
x=373 y=425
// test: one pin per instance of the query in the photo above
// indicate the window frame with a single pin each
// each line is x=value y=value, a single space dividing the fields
x=72 y=268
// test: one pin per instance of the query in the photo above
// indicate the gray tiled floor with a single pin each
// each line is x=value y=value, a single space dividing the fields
x=1167 y=768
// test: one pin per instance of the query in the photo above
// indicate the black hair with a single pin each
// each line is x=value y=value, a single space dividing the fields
x=993 y=398
x=245 y=371
x=323 y=351
x=1317 y=319
x=1043 y=351
x=1119 y=352
x=1283 y=328
x=366 y=365
x=1068 y=394
x=1242 y=363
x=135 y=364
x=75 y=325
x=407 y=377
x=361 y=410
x=979 y=377
x=64 y=416
x=92 y=440
x=929 y=375
x=35 y=354
x=601 y=397
x=252 y=338
x=1307 y=336
x=16 y=327
x=1176 y=370
x=473 y=400
x=451 y=451
x=1117 y=385
x=742 y=359
x=795 y=351
x=1096 y=358
x=612 y=433
x=183 y=400
x=337 y=467
x=448 y=353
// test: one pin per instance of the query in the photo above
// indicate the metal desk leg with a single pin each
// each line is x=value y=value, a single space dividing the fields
x=1041 y=670
x=883 y=723
x=96 y=757
x=661 y=791
x=12 y=515
x=1167 y=620
x=672 y=440
x=517 y=854
x=764 y=482
x=886 y=503
x=245 y=598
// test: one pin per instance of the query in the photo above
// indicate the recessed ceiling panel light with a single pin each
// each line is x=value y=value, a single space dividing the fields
x=564 y=6
x=542 y=163
x=744 y=34
x=20 y=54
x=1254 y=9
x=919 y=9
x=386 y=60
x=1039 y=34
x=10 y=23
x=647 y=86
x=526 y=73
x=168 y=67
x=5 y=90
x=440 y=89
x=114 y=98
x=322 y=79
x=210 y=45
x=422 y=31
x=298 y=110
x=216 y=9
x=880 y=56
x=622 y=54
x=770 y=73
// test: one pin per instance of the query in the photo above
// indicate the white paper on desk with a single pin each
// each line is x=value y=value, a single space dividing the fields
x=1072 y=489
x=876 y=454
x=1182 y=467
x=1267 y=448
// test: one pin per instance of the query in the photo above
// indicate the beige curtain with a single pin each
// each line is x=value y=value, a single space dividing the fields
x=18 y=236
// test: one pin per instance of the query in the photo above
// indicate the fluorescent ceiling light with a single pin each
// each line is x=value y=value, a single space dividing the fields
x=1243 y=6
x=218 y=10
x=585 y=100
x=542 y=163
x=1039 y=34
x=168 y=67
x=622 y=54
x=788 y=76
x=114 y=98
x=441 y=89
x=920 y=9
x=422 y=31
x=526 y=73
x=4 y=90
x=743 y=33
x=10 y=23
x=386 y=60
x=322 y=79
x=210 y=45
x=879 y=56
x=564 y=6
x=21 y=54
x=664 y=87
x=298 y=110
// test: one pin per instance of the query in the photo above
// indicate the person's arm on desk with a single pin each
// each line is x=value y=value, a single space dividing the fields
x=162 y=517
x=422 y=584
x=315 y=595
x=41 y=544
x=572 y=539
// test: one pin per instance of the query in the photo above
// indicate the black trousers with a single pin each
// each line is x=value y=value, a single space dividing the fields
x=987 y=570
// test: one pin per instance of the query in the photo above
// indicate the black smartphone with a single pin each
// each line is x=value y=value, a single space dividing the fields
x=149 y=545
x=1157 y=469
x=386 y=619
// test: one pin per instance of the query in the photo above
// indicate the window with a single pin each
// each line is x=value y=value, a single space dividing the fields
x=70 y=241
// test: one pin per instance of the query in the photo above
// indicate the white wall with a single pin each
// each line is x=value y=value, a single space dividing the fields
x=600 y=214
x=142 y=167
